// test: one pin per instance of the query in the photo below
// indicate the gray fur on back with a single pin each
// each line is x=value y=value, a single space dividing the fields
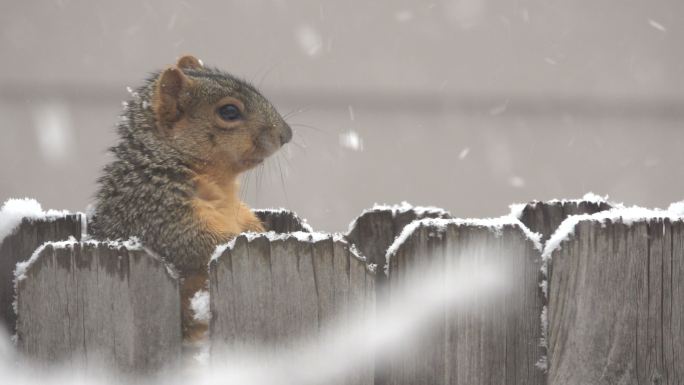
x=145 y=192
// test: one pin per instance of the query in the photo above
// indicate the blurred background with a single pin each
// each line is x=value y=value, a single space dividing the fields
x=469 y=105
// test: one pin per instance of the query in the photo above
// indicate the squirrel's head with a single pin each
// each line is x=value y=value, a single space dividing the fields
x=215 y=119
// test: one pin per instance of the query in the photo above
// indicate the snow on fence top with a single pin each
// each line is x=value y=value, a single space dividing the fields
x=610 y=279
x=478 y=277
x=23 y=266
x=13 y=211
x=545 y=217
x=677 y=208
x=626 y=215
x=518 y=208
x=375 y=229
x=341 y=263
x=402 y=208
x=300 y=236
x=495 y=224
x=68 y=291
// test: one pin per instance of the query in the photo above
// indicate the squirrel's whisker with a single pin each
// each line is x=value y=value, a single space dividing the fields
x=268 y=72
x=282 y=181
x=308 y=126
x=259 y=180
x=244 y=187
x=296 y=112
x=300 y=146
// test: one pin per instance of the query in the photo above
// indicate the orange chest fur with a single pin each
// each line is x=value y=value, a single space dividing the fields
x=220 y=210
x=219 y=218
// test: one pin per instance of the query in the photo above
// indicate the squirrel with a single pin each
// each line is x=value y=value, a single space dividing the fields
x=186 y=136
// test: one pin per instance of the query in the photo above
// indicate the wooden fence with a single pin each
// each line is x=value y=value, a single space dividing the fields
x=18 y=247
x=616 y=303
x=560 y=292
x=94 y=304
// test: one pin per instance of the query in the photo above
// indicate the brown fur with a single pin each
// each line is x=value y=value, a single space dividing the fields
x=217 y=205
x=189 y=61
x=171 y=84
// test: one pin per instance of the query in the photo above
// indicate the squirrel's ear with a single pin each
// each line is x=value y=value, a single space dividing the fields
x=172 y=82
x=189 y=62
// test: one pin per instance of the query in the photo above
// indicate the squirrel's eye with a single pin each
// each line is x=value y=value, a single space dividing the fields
x=229 y=112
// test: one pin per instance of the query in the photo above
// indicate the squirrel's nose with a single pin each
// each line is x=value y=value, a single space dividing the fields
x=285 y=134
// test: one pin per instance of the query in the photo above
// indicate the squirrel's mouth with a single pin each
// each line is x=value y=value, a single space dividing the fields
x=259 y=153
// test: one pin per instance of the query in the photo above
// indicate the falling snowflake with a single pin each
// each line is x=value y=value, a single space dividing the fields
x=516 y=182
x=310 y=41
x=462 y=155
x=657 y=25
x=351 y=140
x=404 y=16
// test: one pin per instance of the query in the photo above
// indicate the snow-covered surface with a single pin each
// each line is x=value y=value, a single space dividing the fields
x=301 y=236
x=516 y=209
x=495 y=224
x=22 y=267
x=14 y=210
x=588 y=197
x=280 y=210
x=401 y=208
x=677 y=208
x=220 y=249
x=626 y=215
x=405 y=207
x=199 y=303
x=543 y=362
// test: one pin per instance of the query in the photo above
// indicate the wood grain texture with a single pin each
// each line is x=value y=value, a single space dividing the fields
x=487 y=334
x=276 y=296
x=374 y=230
x=19 y=246
x=372 y=233
x=85 y=306
x=281 y=221
x=545 y=217
x=616 y=304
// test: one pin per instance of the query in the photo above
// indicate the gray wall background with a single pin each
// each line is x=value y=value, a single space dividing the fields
x=465 y=104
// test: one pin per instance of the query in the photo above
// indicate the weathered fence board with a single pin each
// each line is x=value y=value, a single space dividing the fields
x=19 y=245
x=490 y=332
x=375 y=229
x=373 y=232
x=282 y=293
x=615 y=303
x=545 y=217
x=88 y=304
